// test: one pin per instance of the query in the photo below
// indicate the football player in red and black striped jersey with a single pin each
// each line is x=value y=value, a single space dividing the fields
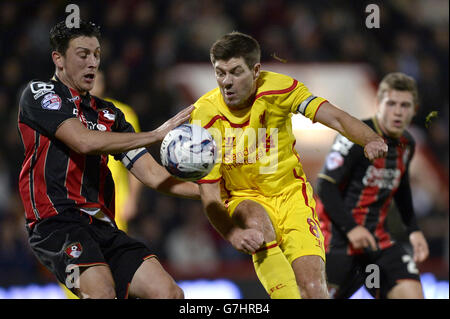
x=65 y=184
x=355 y=195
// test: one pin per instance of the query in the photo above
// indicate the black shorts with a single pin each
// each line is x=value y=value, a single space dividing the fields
x=346 y=274
x=70 y=242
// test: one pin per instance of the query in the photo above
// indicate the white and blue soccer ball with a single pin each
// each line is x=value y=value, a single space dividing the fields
x=188 y=152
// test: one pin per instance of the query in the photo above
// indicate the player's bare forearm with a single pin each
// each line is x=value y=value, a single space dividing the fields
x=153 y=175
x=85 y=141
x=174 y=187
x=215 y=211
x=219 y=219
x=353 y=129
x=347 y=125
x=246 y=240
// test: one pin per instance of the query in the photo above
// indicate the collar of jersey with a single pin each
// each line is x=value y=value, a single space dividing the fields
x=86 y=97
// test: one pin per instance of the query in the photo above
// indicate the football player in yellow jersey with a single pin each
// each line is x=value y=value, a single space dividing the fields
x=257 y=195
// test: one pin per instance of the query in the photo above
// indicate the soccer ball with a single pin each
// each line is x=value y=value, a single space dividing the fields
x=188 y=152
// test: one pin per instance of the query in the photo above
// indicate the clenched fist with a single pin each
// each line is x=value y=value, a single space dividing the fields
x=375 y=149
x=246 y=240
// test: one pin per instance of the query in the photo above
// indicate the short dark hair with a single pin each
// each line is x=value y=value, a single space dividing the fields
x=400 y=82
x=236 y=45
x=60 y=34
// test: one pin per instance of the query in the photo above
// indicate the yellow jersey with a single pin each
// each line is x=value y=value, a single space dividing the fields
x=256 y=151
x=119 y=172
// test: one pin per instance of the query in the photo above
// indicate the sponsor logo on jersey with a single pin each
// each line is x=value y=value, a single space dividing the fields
x=51 y=101
x=73 y=99
x=40 y=88
x=382 y=177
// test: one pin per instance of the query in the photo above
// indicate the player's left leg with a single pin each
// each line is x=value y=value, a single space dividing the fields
x=151 y=281
x=303 y=242
x=310 y=275
x=406 y=289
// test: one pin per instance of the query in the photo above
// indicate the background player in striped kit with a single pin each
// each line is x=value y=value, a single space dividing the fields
x=355 y=196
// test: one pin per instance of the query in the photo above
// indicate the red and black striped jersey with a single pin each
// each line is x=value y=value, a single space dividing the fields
x=53 y=176
x=352 y=190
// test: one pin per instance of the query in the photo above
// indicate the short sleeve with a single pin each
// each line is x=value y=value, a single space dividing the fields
x=305 y=102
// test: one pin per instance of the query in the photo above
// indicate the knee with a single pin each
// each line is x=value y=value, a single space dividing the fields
x=172 y=291
x=176 y=292
x=314 y=289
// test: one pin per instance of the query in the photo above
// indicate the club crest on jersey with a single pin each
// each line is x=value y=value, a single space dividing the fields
x=51 y=101
x=74 y=250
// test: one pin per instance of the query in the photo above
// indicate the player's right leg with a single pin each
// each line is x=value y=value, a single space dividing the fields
x=96 y=282
x=271 y=266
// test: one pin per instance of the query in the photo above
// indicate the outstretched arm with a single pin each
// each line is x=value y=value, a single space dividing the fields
x=352 y=128
x=153 y=175
x=82 y=140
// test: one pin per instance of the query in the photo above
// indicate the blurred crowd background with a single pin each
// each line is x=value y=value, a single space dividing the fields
x=143 y=40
